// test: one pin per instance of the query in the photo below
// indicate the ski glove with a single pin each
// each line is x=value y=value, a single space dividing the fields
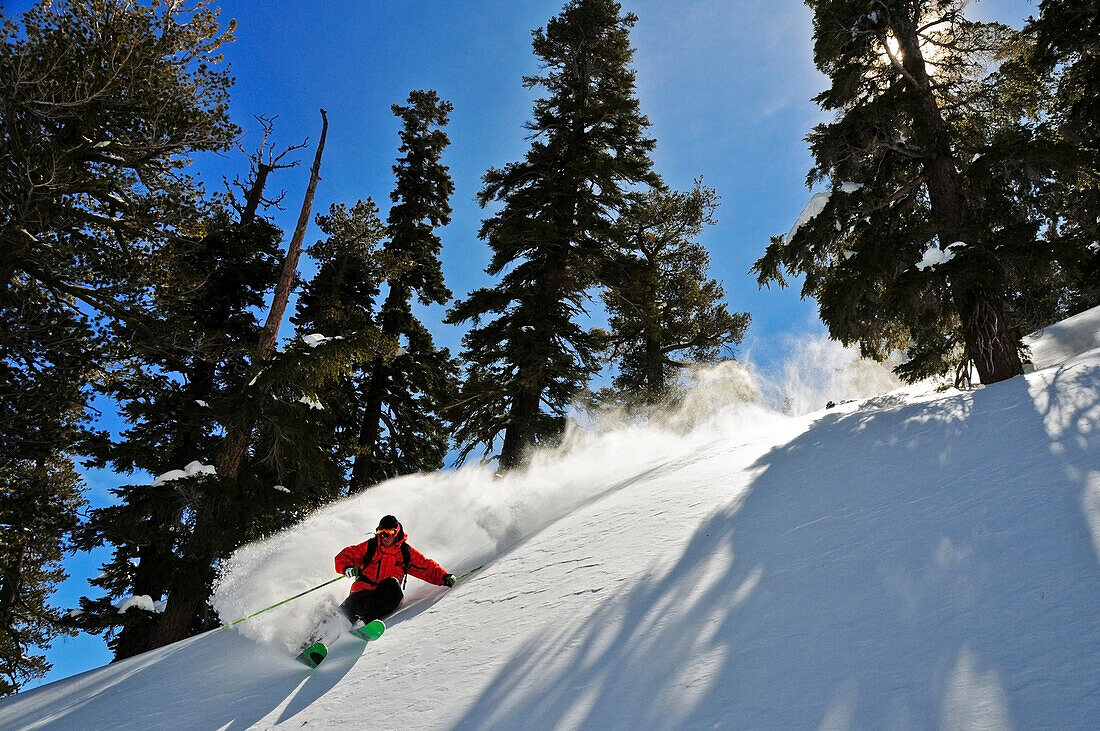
x=449 y=580
x=352 y=572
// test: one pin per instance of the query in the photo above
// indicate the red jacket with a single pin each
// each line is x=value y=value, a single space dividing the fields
x=387 y=561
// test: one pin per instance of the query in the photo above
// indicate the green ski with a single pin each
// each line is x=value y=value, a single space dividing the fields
x=313 y=655
x=316 y=653
x=370 y=631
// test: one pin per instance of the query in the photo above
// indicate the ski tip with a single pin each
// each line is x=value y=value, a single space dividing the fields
x=313 y=655
x=371 y=630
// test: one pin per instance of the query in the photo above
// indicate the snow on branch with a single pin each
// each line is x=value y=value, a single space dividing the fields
x=192 y=469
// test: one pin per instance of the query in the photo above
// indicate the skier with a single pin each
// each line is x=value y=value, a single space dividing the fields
x=380 y=567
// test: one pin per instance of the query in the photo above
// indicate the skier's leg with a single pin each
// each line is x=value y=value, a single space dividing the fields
x=373 y=603
x=357 y=604
x=386 y=598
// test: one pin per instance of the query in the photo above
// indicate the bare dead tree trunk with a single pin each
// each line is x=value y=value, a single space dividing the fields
x=236 y=444
x=256 y=192
x=293 y=254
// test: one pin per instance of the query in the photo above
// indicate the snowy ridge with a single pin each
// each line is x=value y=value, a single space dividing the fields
x=915 y=559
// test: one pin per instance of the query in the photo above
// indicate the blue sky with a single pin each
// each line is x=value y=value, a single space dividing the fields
x=727 y=85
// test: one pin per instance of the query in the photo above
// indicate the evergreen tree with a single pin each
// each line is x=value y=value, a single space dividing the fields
x=340 y=300
x=1068 y=39
x=102 y=105
x=38 y=501
x=401 y=429
x=276 y=459
x=1068 y=35
x=175 y=386
x=550 y=239
x=923 y=164
x=181 y=388
x=660 y=301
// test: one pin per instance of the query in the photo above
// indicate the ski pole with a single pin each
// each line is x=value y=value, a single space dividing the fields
x=460 y=578
x=284 y=601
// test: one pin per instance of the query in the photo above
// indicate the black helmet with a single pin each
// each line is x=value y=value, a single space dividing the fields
x=389 y=522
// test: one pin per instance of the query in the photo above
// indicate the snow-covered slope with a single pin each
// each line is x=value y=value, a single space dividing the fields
x=916 y=559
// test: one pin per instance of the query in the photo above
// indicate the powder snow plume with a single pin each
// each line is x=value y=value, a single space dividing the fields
x=465 y=517
x=817 y=370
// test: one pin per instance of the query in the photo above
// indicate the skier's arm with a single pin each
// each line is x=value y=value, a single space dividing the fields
x=350 y=556
x=424 y=568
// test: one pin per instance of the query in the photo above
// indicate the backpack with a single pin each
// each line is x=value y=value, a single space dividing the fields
x=406 y=557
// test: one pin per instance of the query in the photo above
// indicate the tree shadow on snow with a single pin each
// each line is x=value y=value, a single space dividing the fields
x=890 y=567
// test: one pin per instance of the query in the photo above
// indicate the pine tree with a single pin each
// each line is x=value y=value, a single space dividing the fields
x=526 y=350
x=923 y=162
x=38 y=501
x=401 y=429
x=103 y=103
x=1068 y=35
x=181 y=387
x=175 y=386
x=659 y=298
x=340 y=300
x=271 y=435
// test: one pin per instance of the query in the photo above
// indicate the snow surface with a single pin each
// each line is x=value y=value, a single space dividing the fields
x=920 y=558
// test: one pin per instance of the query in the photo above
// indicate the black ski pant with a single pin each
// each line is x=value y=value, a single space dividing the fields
x=371 y=604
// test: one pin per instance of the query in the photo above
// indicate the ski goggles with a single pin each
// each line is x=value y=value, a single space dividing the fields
x=386 y=532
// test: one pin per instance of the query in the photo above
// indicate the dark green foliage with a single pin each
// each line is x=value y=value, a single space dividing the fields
x=665 y=313
x=176 y=385
x=932 y=112
x=401 y=427
x=385 y=409
x=340 y=297
x=339 y=302
x=527 y=356
x=38 y=503
x=421 y=198
x=181 y=388
x=101 y=104
x=1068 y=36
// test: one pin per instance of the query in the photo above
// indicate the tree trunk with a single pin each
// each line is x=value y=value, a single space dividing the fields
x=13 y=582
x=370 y=429
x=655 y=369
x=519 y=437
x=532 y=376
x=256 y=192
x=988 y=341
x=654 y=350
x=363 y=471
